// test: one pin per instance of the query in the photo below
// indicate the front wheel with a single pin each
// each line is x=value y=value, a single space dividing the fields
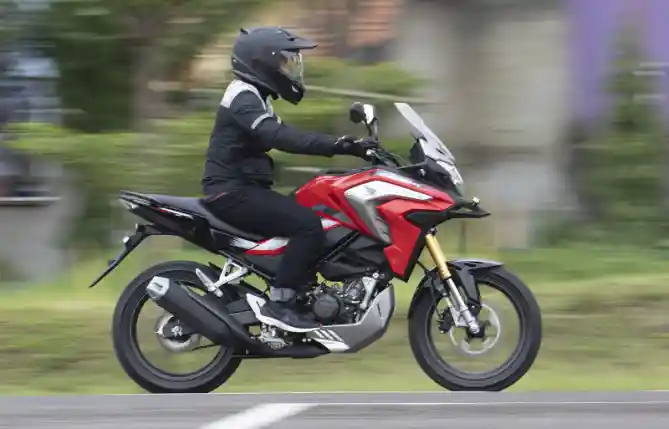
x=424 y=342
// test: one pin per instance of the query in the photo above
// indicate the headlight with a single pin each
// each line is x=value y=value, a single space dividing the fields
x=452 y=170
x=455 y=176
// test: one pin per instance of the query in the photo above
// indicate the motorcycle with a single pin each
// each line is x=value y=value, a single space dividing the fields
x=378 y=219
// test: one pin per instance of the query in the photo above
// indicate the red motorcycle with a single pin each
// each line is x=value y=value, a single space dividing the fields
x=378 y=219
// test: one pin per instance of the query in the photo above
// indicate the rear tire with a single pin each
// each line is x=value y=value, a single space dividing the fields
x=150 y=378
x=510 y=371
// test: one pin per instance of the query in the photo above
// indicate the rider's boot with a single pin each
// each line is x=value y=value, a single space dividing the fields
x=285 y=311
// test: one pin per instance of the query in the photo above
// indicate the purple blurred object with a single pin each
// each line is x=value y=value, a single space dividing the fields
x=595 y=26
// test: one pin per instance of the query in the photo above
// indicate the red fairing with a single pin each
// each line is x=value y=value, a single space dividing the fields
x=318 y=191
x=405 y=235
x=329 y=192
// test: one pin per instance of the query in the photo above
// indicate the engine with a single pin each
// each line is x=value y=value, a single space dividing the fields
x=338 y=304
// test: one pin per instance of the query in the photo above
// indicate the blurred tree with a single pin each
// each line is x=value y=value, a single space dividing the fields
x=8 y=33
x=5 y=28
x=622 y=165
x=109 y=52
x=626 y=164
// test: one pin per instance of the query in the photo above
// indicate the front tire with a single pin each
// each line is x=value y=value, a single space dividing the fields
x=127 y=350
x=505 y=375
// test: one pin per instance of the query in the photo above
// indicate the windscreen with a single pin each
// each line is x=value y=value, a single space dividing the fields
x=432 y=146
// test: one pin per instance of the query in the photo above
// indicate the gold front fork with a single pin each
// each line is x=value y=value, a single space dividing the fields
x=437 y=255
x=440 y=261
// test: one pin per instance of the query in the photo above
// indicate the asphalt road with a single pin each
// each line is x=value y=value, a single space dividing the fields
x=630 y=410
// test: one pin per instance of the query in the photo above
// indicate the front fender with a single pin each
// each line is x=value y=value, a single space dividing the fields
x=462 y=272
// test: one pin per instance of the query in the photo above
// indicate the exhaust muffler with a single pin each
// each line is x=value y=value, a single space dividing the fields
x=199 y=313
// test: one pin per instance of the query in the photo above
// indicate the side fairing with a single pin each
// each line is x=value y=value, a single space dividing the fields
x=407 y=239
x=366 y=197
x=375 y=202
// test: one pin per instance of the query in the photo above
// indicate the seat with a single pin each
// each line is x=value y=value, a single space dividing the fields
x=195 y=206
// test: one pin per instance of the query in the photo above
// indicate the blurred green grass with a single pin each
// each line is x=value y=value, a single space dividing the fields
x=605 y=325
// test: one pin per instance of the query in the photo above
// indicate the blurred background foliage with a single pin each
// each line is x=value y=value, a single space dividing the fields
x=623 y=176
x=116 y=49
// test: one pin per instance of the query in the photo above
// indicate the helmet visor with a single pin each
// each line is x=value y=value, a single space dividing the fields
x=292 y=65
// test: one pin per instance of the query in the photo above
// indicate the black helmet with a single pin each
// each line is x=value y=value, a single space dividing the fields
x=270 y=58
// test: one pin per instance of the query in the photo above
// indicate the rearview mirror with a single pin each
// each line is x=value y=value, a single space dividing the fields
x=365 y=113
x=357 y=112
x=362 y=113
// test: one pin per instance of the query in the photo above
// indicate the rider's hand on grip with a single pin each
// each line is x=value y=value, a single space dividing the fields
x=350 y=145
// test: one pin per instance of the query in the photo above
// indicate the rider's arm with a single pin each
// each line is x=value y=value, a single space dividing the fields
x=252 y=115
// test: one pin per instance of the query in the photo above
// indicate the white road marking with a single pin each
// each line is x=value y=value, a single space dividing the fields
x=259 y=417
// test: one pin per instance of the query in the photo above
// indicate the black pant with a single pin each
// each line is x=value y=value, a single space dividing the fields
x=262 y=211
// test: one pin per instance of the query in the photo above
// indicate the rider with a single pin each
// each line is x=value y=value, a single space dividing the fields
x=267 y=62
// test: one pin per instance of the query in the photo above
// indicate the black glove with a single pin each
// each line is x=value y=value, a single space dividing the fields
x=349 y=145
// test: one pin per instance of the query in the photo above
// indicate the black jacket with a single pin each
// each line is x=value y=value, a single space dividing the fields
x=246 y=128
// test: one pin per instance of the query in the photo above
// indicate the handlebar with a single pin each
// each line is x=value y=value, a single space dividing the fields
x=383 y=156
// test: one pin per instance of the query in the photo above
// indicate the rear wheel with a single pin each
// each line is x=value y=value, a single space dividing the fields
x=425 y=341
x=134 y=358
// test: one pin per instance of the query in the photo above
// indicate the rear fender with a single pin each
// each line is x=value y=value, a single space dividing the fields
x=130 y=243
x=462 y=271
